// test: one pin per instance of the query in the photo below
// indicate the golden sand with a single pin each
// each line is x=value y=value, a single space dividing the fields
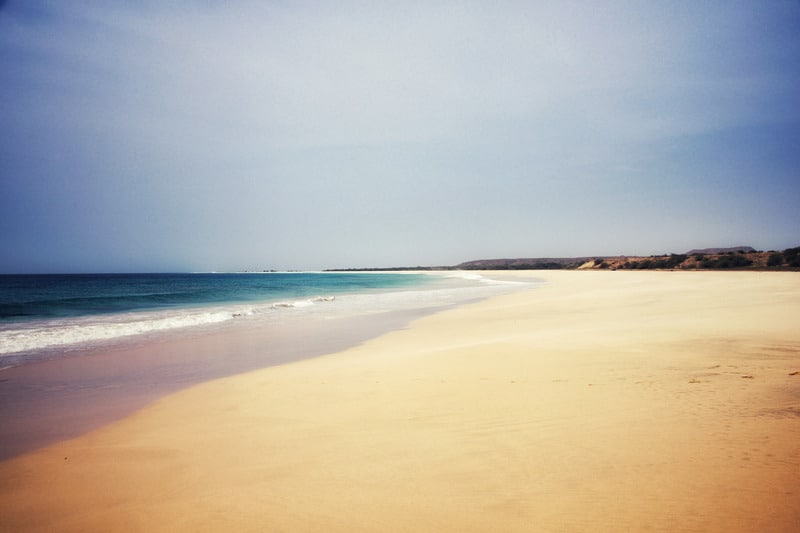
x=604 y=401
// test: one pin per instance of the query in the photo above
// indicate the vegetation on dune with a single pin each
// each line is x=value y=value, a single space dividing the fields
x=670 y=261
x=791 y=257
x=741 y=259
x=775 y=259
x=726 y=261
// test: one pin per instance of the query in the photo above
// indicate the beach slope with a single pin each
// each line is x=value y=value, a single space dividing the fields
x=602 y=401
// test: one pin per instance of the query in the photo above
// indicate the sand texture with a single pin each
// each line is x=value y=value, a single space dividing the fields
x=604 y=401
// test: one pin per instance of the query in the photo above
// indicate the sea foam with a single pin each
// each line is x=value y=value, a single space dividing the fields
x=82 y=331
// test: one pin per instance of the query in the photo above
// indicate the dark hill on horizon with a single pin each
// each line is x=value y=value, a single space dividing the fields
x=535 y=263
x=733 y=249
x=737 y=257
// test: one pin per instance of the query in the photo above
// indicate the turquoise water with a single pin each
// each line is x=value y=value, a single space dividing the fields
x=57 y=296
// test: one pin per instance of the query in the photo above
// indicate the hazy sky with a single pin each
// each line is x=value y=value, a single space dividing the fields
x=152 y=136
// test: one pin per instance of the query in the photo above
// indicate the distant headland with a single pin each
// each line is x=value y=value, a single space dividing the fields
x=737 y=257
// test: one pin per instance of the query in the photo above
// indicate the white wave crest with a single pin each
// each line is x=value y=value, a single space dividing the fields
x=302 y=303
x=466 y=275
x=87 y=330
x=82 y=331
x=470 y=276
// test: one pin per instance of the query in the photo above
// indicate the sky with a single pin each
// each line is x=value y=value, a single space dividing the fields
x=213 y=136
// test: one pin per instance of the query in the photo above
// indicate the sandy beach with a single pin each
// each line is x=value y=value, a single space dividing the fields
x=602 y=401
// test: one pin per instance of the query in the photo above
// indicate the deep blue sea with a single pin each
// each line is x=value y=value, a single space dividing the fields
x=59 y=314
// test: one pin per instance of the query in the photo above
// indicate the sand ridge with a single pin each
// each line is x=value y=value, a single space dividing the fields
x=603 y=401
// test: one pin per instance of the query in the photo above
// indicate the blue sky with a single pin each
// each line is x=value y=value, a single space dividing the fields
x=152 y=136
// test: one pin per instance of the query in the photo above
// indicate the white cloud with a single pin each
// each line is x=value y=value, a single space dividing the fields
x=368 y=74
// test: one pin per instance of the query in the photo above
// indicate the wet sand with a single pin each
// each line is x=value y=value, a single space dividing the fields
x=604 y=401
x=54 y=400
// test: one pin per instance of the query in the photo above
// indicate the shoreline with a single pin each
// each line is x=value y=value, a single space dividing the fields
x=138 y=315
x=50 y=399
x=48 y=337
x=599 y=401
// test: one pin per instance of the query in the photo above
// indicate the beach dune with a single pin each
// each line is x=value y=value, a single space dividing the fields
x=602 y=401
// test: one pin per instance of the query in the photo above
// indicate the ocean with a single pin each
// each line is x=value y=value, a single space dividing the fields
x=51 y=316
